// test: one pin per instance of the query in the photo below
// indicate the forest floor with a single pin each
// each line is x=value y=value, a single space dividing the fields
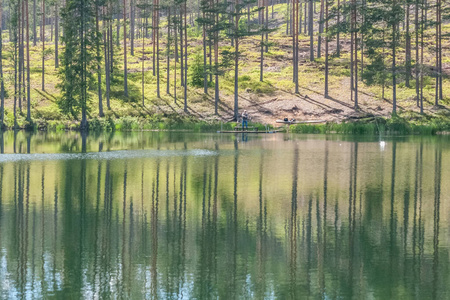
x=266 y=101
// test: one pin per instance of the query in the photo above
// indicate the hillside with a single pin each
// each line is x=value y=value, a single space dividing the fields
x=266 y=101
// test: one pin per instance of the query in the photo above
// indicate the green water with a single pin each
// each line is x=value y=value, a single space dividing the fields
x=183 y=216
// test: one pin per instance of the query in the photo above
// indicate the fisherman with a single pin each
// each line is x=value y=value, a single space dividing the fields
x=245 y=118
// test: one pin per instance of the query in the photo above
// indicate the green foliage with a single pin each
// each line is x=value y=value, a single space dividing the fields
x=78 y=60
x=197 y=71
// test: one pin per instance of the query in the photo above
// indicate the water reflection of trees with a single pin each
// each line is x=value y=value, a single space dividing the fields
x=166 y=228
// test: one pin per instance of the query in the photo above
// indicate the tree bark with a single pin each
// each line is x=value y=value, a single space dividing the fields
x=2 y=85
x=28 y=64
x=56 y=35
x=34 y=23
x=99 y=69
x=326 y=50
x=311 y=31
x=132 y=25
x=185 y=56
x=43 y=45
x=216 y=62
x=168 y=51
x=394 y=77
x=407 y=48
x=416 y=26
x=319 y=42
x=236 y=61
x=125 y=69
x=158 y=94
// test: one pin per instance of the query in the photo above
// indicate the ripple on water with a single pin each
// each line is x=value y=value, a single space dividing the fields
x=121 y=154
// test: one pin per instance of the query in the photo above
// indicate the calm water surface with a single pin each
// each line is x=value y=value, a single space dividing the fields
x=182 y=216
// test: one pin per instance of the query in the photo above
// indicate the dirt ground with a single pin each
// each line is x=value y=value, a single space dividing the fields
x=308 y=105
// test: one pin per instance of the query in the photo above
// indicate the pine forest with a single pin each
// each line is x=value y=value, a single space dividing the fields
x=79 y=60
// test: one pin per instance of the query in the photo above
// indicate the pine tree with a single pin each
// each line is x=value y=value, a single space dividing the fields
x=236 y=33
x=78 y=60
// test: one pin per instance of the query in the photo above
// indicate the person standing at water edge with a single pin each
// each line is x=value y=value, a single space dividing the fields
x=244 y=120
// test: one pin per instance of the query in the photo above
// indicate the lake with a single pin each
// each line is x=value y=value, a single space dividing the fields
x=183 y=215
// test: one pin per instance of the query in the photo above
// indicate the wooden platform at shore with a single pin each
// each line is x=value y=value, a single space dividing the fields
x=301 y=122
x=245 y=131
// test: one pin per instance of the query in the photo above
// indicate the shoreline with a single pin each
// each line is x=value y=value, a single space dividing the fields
x=395 y=125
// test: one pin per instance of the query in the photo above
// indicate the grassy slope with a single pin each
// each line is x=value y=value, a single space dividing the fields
x=266 y=101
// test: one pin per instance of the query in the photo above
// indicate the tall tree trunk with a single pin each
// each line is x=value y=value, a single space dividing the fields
x=299 y=15
x=28 y=64
x=326 y=49
x=20 y=50
x=185 y=56
x=15 y=80
x=440 y=49
x=143 y=64
x=288 y=17
x=118 y=24
x=83 y=71
x=205 y=75
x=34 y=24
x=157 y=50
x=51 y=28
x=132 y=25
x=408 y=47
x=295 y=17
x=99 y=69
x=111 y=47
x=356 y=55
x=421 y=54
x=43 y=45
x=168 y=51
x=216 y=60
x=125 y=68
x=2 y=85
x=106 y=41
x=56 y=35
x=416 y=67
x=175 y=31
x=154 y=36
x=236 y=61
x=181 y=48
x=311 y=31
x=266 y=5
x=436 y=100
x=394 y=75
x=261 y=69
x=338 y=16
x=319 y=42
x=306 y=18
